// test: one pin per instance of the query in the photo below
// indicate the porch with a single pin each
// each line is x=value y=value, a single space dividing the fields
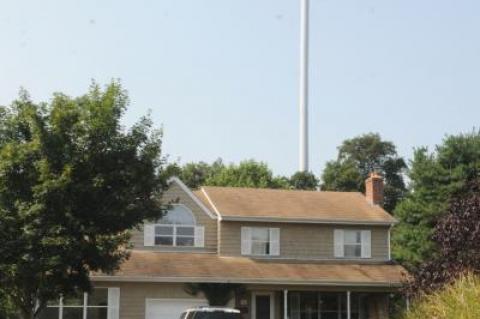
x=310 y=304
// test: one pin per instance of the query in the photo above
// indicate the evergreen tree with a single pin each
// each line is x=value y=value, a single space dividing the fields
x=434 y=177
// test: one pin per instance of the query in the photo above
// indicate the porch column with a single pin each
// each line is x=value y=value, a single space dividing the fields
x=285 y=304
x=349 y=311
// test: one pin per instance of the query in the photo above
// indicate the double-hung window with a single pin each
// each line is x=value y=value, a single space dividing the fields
x=352 y=243
x=260 y=241
x=174 y=235
x=177 y=228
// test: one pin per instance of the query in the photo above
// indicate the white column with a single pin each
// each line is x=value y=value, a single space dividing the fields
x=285 y=304
x=85 y=302
x=349 y=311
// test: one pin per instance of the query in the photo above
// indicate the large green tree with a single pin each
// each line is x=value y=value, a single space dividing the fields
x=72 y=183
x=359 y=156
x=434 y=177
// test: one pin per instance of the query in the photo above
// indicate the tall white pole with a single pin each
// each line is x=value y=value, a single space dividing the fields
x=303 y=100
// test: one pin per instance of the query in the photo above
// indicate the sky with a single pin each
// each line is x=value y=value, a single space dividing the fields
x=221 y=76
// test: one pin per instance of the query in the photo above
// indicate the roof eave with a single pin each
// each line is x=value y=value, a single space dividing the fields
x=307 y=220
x=385 y=284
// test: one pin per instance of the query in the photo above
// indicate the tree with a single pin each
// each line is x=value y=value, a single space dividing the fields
x=434 y=179
x=72 y=183
x=217 y=294
x=249 y=173
x=193 y=174
x=246 y=174
x=457 y=235
x=357 y=158
x=303 y=180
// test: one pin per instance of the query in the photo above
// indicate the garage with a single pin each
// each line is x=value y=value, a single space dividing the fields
x=170 y=308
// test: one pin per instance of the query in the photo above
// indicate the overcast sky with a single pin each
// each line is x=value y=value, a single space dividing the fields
x=221 y=76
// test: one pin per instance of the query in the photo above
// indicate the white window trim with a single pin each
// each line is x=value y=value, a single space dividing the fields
x=343 y=244
x=188 y=209
x=270 y=242
x=174 y=234
x=354 y=244
x=84 y=306
x=265 y=242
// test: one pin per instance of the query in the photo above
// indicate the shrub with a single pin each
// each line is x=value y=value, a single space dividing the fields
x=459 y=300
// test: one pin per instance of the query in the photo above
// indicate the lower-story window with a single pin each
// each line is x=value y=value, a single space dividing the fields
x=85 y=306
x=330 y=305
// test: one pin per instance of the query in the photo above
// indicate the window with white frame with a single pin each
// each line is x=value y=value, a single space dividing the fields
x=101 y=303
x=177 y=228
x=352 y=243
x=260 y=241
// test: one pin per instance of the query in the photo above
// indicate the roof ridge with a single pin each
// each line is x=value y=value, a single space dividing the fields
x=280 y=189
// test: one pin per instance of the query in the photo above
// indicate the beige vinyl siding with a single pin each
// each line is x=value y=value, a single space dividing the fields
x=176 y=195
x=133 y=296
x=302 y=241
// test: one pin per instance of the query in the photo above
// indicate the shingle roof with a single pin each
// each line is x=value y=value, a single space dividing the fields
x=237 y=202
x=190 y=267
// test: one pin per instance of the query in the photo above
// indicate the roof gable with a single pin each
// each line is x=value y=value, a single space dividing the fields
x=197 y=201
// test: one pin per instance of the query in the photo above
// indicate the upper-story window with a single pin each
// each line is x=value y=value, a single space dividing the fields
x=177 y=228
x=352 y=243
x=260 y=241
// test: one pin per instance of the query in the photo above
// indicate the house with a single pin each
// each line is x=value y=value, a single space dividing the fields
x=299 y=254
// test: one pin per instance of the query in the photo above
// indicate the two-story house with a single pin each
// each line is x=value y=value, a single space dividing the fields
x=299 y=254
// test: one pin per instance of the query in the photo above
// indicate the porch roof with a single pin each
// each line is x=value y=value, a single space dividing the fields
x=148 y=266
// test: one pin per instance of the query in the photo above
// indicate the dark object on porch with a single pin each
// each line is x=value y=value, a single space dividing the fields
x=217 y=294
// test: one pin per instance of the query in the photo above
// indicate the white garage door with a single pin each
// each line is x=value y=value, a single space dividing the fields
x=170 y=308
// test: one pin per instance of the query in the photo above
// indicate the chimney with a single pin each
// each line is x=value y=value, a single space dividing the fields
x=374 y=189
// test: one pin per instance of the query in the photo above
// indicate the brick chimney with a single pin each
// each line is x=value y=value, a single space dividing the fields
x=374 y=189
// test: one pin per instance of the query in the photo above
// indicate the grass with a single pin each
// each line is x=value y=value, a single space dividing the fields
x=460 y=300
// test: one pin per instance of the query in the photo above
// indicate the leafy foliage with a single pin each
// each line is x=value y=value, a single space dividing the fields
x=249 y=173
x=458 y=300
x=304 y=180
x=217 y=294
x=434 y=178
x=457 y=235
x=359 y=156
x=72 y=182
x=195 y=175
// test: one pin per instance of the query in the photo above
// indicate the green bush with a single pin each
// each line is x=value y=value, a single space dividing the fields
x=460 y=300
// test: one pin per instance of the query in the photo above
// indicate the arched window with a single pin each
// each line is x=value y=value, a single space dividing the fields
x=179 y=214
x=176 y=227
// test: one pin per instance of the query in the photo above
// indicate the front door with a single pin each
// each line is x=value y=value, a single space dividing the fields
x=263 y=306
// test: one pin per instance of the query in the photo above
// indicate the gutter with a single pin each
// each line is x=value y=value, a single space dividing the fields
x=307 y=221
x=387 y=284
